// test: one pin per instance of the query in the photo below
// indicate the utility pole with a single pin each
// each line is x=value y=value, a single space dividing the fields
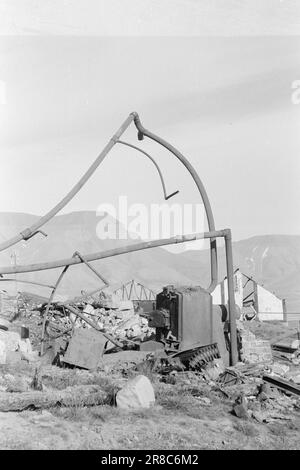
x=13 y=258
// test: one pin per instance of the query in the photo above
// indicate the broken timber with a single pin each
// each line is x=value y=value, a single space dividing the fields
x=282 y=384
x=81 y=395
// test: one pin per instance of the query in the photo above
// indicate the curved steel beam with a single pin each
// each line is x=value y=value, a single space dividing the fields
x=155 y=164
x=27 y=233
x=210 y=219
x=60 y=277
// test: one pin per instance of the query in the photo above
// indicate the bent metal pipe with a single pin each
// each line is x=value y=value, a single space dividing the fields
x=29 y=232
x=109 y=253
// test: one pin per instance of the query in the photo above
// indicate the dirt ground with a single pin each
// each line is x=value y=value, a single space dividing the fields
x=186 y=415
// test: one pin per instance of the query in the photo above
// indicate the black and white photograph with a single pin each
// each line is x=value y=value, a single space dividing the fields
x=149 y=228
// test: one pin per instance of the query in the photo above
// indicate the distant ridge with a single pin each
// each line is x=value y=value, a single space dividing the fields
x=273 y=260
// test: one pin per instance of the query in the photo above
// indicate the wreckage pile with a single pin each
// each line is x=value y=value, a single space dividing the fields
x=118 y=318
x=263 y=386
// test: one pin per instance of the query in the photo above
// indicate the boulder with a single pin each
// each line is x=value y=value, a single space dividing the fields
x=137 y=393
x=240 y=408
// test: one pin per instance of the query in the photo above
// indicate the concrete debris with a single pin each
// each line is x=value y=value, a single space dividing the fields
x=253 y=350
x=137 y=393
x=279 y=369
x=118 y=319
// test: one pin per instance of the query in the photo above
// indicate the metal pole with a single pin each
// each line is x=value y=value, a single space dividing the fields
x=210 y=219
x=105 y=282
x=48 y=307
x=109 y=253
x=284 y=310
x=155 y=164
x=231 y=298
x=27 y=233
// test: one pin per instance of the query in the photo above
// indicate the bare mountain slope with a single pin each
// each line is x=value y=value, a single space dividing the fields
x=273 y=260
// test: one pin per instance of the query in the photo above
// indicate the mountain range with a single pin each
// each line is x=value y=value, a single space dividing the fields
x=272 y=260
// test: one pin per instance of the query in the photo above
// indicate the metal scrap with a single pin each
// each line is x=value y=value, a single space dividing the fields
x=282 y=384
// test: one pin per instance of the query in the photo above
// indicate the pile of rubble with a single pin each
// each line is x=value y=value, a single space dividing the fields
x=263 y=386
x=253 y=349
x=106 y=320
x=119 y=319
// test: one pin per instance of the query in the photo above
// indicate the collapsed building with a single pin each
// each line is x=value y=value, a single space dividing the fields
x=253 y=299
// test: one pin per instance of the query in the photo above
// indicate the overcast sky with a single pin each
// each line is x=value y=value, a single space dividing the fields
x=225 y=102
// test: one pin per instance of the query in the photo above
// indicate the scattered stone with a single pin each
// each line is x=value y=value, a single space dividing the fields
x=259 y=416
x=280 y=369
x=215 y=369
x=263 y=396
x=254 y=350
x=240 y=408
x=266 y=392
x=137 y=393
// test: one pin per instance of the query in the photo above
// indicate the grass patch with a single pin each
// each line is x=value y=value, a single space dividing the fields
x=248 y=429
x=179 y=401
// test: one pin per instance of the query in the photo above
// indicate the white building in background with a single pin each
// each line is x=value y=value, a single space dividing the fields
x=251 y=297
x=220 y=294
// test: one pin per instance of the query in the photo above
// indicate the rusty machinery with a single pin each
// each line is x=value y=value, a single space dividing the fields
x=189 y=326
x=203 y=296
